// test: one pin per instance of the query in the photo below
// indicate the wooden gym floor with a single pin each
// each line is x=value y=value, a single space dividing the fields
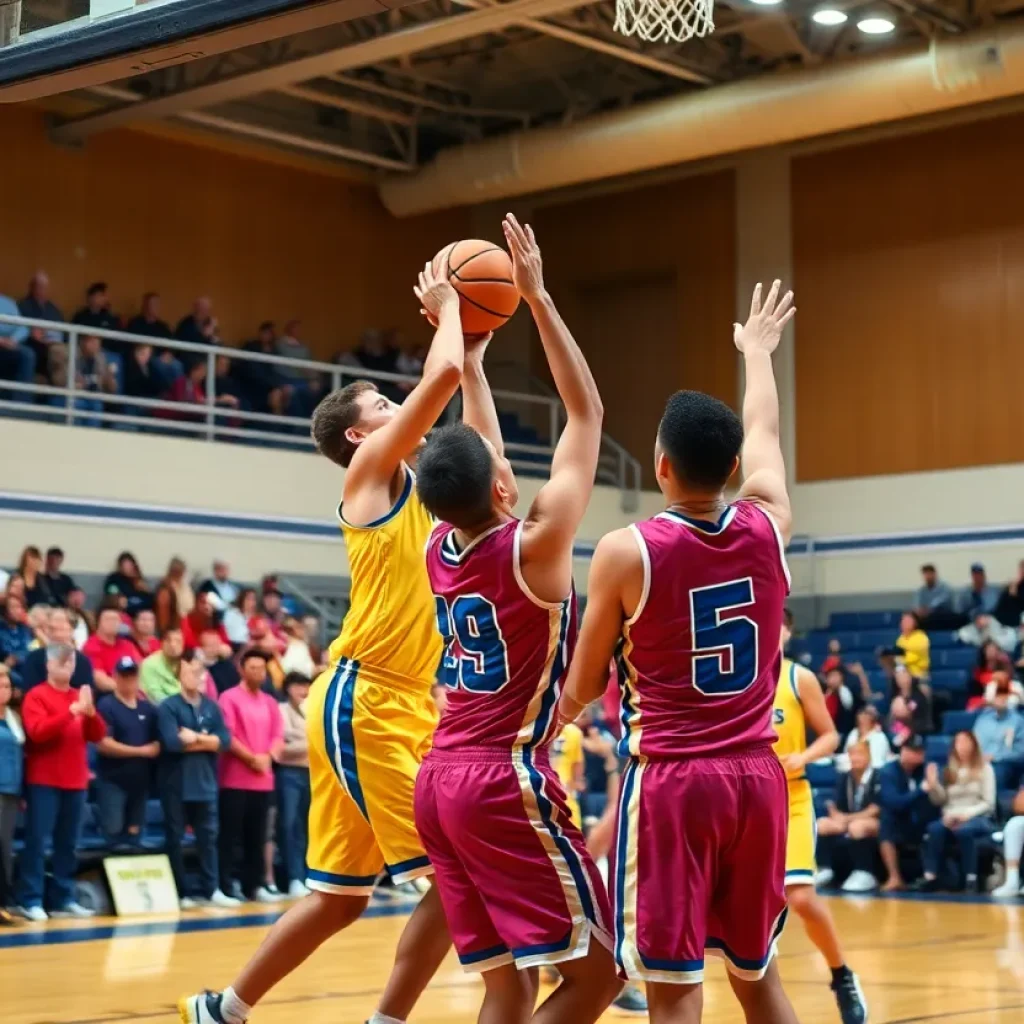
x=919 y=960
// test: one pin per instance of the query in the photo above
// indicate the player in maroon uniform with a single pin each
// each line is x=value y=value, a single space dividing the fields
x=518 y=887
x=695 y=598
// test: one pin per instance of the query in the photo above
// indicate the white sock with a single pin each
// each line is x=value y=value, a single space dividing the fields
x=232 y=1009
x=381 y=1018
x=1013 y=877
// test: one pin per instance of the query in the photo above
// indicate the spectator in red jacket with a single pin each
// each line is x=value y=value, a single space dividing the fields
x=106 y=647
x=202 y=620
x=143 y=635
x=58 y=722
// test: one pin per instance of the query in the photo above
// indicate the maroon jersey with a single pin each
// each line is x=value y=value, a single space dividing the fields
x=506 y=651
x=700 y=656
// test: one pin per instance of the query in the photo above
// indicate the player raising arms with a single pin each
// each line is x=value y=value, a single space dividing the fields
x=695 y=595
x=516 y=881
x=371 y=714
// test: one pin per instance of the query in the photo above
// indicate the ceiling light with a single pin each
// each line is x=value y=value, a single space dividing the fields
x=875 y=26
x=829 y=16
x=766 y=3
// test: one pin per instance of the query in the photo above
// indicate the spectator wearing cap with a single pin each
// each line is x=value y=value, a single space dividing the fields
x=58 y=583
x=59 y=722
x=906 y=810
x=254 y=720
x=59 y=631
x=106 y=647
x=934 y=602
x=869 y=731
x=192 y=738
x=128 y=582
x=979 y=597
x=293 y=784
x=160 y=671
x=12 y=742
x=999 y=730
x=223 y=593
x=174 y=597
x=143 y=633
x=126 y=756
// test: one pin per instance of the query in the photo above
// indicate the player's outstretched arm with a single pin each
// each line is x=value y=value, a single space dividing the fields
x=763 y=468
x=478 y=409
x=613 y=594
x=558 y=509
x=380 y=455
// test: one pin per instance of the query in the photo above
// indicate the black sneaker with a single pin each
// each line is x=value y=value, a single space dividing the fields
x=631 y=1000
x=853 y=1007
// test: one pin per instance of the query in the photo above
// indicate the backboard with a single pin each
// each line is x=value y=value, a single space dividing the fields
x=53 y=46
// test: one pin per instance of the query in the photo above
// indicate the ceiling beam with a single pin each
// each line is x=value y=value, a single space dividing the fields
x=353 y=106
x=388 y=46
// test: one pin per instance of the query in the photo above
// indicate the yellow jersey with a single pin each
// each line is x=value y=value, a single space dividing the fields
x=391 y=625
x=788 y=717
x=566 y=756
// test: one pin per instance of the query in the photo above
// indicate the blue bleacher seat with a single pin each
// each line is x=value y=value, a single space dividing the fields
x=936 y=748
x=821 y=774
x=957 y=721
x=943 y=639
x=865 y=620
x=952 y=679
x=821 y=798
x=961 y=657
x=154 y=813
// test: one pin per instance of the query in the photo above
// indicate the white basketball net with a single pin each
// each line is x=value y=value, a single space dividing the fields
x=664 y=21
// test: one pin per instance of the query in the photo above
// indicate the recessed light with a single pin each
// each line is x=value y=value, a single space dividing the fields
x=766 y=3
x=875 y=26
x=829 y=16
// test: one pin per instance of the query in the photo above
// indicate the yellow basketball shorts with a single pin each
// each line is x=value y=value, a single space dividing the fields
x=802 y=837
x=366 y=741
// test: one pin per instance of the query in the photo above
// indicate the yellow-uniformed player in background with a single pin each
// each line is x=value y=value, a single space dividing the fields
x=567 y=761
x=371 y=715
x=799 y=703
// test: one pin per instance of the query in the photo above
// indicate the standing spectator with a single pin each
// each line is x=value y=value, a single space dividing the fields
x=30 y=569
x=906 y=809
x=106 y=647
x=980 y=597
x=247 y=777
x=916 y=647
x=222 y=668
x=16 y=637
x=37 y=306
x=297 y=656
x=143 y=634
x=935 y=601
x=1000 y=734
x=12 y=741
x=83 y=622
x=192 y=736
x=848 y=834
x=174 y=597
x=266 y=389
x=968 y=802
x=985 y=628
x=200 y=620
x=161 y=671
x=237 y=616
x=58 y=723
x=59 y=584
x=293 y=785
x=1010 y=609
x=97 y=313
x=1013 y=848
x=126 y=756
x=148 y=322
x=223 y=593
x=59 y=631
x=17 y=357
x=127 y=581
x=910 y=709
x=870 y=732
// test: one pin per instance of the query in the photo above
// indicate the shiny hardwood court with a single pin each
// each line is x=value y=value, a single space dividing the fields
x=918 y=961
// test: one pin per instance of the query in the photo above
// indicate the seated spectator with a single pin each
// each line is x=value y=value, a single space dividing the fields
x=128 y=581
x=148 y=322
x=910 y=706
x=222 y=591
x=274 y=613
x=265 y=388
x=916 y=647
x=985 y=628
x=1000 y=734
x=174 y=597
x=992 y=659
x=16 y=637
x=966 y=794
x=292 y=783
x=59 y=631
x=12 y=742
x=143 y=633
x=187 y=389
x=1010 y=607
x=95 y=374
x=38 y=619
x=201 y=619
x=37 y=306
x=126 y=757
x=220 y=665
x=97 y=313
x=980 y=597
x=840 y=701
x=853 y=816
x=834 y=657
x=58 y=723
x=935 y=602
x=106 y=647
x=143 y=375
x=870 y=732
x=262 y=639
x=227 y=389
x=410 y=362
x=17 y=357
x=237 y=617
x=600 y=763
x=190 y=327
x=307 y=385
x=30 y=569
x=1013 y=847
x=297 y=656
x=906 y=810
x=83 y=622
x=1002 y=683
x=192 y=738
x=313 y=630
x=161 y=671
x=58 y=584
x=247 y=776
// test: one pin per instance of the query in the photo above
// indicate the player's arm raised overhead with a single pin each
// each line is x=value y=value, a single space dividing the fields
x=764 y=471
x=379 y=456
x=556 y=512
x=478 y=409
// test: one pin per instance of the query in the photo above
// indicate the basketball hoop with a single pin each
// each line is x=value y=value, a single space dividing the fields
x=664 y=21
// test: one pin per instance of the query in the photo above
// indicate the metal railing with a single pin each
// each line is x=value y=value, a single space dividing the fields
x=214 y=421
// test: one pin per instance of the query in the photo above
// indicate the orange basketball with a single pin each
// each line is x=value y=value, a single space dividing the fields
x=481 y=272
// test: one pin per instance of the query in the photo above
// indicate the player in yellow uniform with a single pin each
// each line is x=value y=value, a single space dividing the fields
x=567 y=761
x=370 y=716
x=799 y=703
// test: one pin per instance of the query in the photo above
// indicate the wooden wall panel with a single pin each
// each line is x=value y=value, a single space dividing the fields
x=909 y=271
x=264 y=240
x=646 y=279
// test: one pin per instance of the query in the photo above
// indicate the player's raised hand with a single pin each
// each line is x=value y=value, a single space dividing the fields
x=435 y=294
x=527 y=266
x=763 y=330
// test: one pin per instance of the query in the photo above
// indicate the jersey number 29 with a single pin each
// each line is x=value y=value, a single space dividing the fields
x=480 y=664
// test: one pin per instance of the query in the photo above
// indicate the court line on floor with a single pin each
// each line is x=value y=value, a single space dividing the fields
x=950 y=1014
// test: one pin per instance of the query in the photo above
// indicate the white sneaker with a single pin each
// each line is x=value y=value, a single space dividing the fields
x=73 y=909
x=264 y=895
x=218 y=899
x=297 y=890
x=33 y=914
x=1007 y=891
x=824 y=877
x=187 y=903
x=860 y=881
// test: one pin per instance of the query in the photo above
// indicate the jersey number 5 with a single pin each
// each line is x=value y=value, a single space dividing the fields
x=724 y=651
x=480 y=664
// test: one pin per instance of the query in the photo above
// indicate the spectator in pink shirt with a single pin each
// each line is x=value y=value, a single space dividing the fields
x=254 y=720
x=106 y=647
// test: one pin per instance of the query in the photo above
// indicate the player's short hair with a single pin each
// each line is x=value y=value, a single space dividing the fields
x=701 y=437
x=333 y=416
x=454 y=476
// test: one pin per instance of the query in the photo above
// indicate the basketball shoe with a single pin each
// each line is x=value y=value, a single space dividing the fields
x=853 y=1007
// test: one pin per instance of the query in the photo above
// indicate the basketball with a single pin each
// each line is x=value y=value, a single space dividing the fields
x=481 y=272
